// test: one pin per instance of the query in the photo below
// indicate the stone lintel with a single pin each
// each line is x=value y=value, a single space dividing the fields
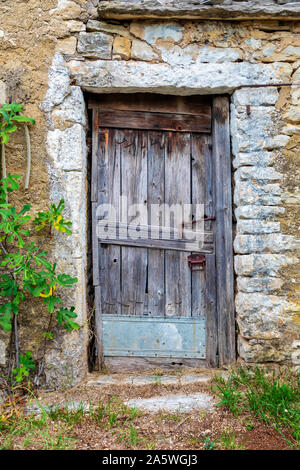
x=198 y=9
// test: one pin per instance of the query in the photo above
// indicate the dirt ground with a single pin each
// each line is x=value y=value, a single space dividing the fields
x=163 y=430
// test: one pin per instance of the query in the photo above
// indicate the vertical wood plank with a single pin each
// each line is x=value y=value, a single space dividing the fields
x=177 y=191
x=224 y=246
x=210 y=272
x=95 y=247
x=134 y=186
x=109 y=193
x=211 y=312
x=98 y=327
x=198 y=149
x=156 y=258
x=94 y=176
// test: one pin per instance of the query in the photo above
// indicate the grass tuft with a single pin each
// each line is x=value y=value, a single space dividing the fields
x=275 y=401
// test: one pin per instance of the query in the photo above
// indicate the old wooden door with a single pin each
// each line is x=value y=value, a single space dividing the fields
x=156 y=302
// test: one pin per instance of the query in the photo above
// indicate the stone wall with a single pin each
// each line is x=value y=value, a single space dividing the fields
x=64 y=48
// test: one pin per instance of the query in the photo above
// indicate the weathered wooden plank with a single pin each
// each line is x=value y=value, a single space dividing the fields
x=154 y=121
x=110 y=230
x=95 y=247
x=109 y=193
x=224 y=247
x=161 y=245
x=94 y=178
x=156 y=258
x=139 y=364
x=211 y=312
x=98 y=327
x=134 y=187
x=210 y=271
x=150 y=102
x=198 y=197
x=177 y=192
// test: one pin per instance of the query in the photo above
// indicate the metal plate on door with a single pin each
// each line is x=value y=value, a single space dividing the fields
x=153 y=336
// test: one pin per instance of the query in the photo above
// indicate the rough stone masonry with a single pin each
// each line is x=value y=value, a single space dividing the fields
x=53 y=51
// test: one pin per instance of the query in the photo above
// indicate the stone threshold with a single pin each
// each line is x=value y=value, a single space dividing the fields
x=142 y=380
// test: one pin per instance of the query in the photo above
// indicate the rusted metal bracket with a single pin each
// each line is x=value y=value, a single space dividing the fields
x=197 y=262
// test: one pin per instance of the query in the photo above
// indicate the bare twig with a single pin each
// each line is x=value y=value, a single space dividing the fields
x=28 y=151
x=182 y=422
x=14 y=327
x=3 y=161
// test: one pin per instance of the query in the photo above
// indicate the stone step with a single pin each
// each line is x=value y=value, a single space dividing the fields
x=174 y=403
x=149 y=380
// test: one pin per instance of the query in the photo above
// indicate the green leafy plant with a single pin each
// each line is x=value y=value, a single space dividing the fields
x=209 y=444
x=27 y=272
x=10 y=117
x=25 y=365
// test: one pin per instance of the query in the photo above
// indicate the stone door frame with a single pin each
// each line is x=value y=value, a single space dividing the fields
x=253 y=137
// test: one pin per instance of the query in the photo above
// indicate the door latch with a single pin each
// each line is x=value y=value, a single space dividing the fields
x=197 y=262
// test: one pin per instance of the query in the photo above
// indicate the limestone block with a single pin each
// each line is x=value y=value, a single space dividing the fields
x=257 y=226
x=255 y=97
x=67 y=10
x=142 y=51
x=94 y=25
x=130 y=75
x=74 y=182
x=256 y=159
x=255 y=125
x=209 y=9
x=95 y=45
x=75 y=26
x=296 y=353
x=260 y=316
x=75 y=296
x=291 y=197
x=67 y=46
x=66 y=361
x=257 y=174
x=121 y=48
x=2 y=353
x=296 y=75
x=262 y=264
x=254 y=132
x=293 y=114
x=2 y=93
x=295 y=96
x=67 y=148
x=151 y=33
x=272 y=54
x=194 y=54
x=258 y=284
x=258 y=212
x=277 y=142
x=59 y=84
x=249 y=192
x=72 y=109
x=255 y=351
x=274 y=243
x=291 y=129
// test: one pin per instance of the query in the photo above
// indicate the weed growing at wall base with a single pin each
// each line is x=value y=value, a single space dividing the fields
x=27 y=272
x=274 y=401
